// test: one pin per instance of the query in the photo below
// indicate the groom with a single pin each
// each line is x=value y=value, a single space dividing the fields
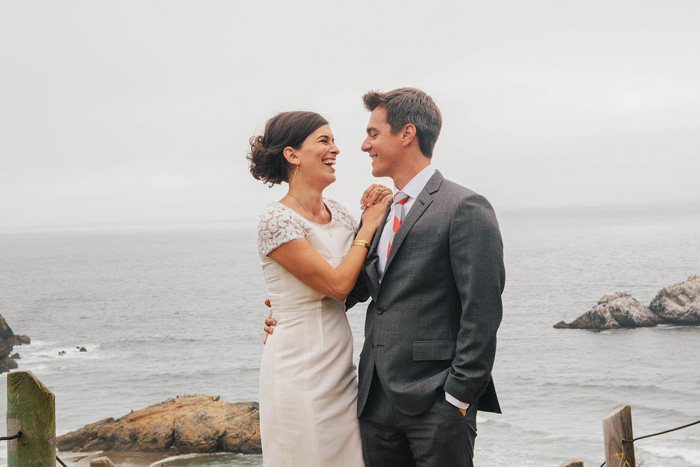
x=435 y=275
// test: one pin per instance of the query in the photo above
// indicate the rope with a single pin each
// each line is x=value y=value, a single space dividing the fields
x=7 y=438
x=660 y=433
x=657 y=434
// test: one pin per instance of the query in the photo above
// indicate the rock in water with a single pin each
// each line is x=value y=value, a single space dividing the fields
x=679 y=303
x=8 y=339
x=614 y=310
x=186 y=424
x=21 y=340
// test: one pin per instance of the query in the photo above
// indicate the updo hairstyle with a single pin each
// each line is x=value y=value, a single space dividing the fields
x=267 y=162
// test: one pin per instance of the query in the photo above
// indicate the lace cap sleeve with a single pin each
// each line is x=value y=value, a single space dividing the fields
x=278 y=226
x=342 y=215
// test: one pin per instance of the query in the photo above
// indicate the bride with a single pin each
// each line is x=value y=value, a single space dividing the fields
x=311 y=252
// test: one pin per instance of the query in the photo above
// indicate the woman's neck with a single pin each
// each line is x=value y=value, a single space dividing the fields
x=308 y=202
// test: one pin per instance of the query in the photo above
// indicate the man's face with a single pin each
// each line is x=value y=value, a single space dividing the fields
x=382 y=146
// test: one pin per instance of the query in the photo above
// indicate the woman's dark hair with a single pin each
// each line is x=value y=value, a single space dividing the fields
x=267 y=163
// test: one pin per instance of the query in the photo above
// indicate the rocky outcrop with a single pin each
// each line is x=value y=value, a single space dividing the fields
x=679 y=303
x=675 y=304
x=186 y=424
x=614 y=310
x=8 y=340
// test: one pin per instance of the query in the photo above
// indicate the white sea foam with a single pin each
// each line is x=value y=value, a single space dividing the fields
x=692 y=456
x=186 y=456
x=46 y=353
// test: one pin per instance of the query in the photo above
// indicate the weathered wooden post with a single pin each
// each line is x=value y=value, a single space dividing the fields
x=617 y=425
x=31 y=409
x=572 y=463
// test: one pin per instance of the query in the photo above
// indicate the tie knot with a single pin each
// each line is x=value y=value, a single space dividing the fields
x=401 y=198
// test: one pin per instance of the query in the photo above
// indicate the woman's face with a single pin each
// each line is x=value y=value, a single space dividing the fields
x=317 y=156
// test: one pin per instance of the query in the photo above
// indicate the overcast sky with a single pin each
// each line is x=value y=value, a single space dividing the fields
x=139 y=111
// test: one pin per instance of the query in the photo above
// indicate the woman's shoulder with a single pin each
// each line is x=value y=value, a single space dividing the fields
x=278 y=225
x=341 y=214
x=275 y=209
x=276 y=215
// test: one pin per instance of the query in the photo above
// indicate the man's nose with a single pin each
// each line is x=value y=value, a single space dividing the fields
x=366 y=146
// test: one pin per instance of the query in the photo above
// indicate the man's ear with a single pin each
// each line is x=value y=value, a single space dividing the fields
x=290 y=155
x=408 y=134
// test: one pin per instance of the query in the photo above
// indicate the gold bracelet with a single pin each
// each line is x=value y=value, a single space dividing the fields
x=360 y=243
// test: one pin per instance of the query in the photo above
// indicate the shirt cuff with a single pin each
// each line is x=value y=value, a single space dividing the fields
x=457 y=403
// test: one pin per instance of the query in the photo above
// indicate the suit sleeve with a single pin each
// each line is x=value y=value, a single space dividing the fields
x=476 y=257
x=359 y=293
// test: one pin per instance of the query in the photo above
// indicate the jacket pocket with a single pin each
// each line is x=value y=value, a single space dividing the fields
x=433 y=350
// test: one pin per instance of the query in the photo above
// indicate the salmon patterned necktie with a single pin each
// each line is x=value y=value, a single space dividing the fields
x=399 y=200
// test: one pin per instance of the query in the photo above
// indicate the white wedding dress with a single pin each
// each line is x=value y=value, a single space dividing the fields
x=308 y=383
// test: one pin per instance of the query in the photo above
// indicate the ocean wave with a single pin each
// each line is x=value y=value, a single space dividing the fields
x=202 y=457
x=53 y=352
x=33 y=368
x=48 y=357
x=661 y=389
x=692 y=456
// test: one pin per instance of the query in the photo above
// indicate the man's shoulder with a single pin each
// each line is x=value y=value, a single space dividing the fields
x=455 y=188
x=460 y=193
x=464 y=202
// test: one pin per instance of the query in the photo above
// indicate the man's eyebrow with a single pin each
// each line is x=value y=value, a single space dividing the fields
x=371 y=129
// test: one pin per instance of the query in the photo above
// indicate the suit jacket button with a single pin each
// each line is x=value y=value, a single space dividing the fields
x=380 y=311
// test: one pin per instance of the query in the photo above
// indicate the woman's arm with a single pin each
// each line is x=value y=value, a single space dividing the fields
x=306 y=264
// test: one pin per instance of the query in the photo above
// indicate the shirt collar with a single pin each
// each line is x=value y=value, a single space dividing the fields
x=417 y=183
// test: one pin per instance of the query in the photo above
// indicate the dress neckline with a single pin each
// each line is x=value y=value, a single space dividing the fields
x=330 y=211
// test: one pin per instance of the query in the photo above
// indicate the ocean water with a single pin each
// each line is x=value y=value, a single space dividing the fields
x=172 y=310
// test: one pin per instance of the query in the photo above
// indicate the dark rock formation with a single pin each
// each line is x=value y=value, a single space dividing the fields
x=21 y=340
x=679 y=303
x=675 y=304
x=614 y=310
x=186 y=424
x=8 y=339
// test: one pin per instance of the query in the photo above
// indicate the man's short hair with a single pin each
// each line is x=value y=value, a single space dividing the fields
x=409 y=105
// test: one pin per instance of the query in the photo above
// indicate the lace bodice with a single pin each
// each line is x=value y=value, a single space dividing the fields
x=279 y=224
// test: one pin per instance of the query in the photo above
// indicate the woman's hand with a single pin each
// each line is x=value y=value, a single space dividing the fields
x=374 y=214
x=270 y=322
x=374 y=194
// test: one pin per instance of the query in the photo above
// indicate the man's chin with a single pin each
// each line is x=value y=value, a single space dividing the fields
x=377 y=172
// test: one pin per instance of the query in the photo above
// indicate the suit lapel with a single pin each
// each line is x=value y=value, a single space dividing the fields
x=425 y=198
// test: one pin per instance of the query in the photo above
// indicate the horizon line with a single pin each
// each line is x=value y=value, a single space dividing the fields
x=629 y=207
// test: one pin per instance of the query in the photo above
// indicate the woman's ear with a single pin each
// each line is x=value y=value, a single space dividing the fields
x=290 y=155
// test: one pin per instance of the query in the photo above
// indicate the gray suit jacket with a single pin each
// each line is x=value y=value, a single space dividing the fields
x=431 y=324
